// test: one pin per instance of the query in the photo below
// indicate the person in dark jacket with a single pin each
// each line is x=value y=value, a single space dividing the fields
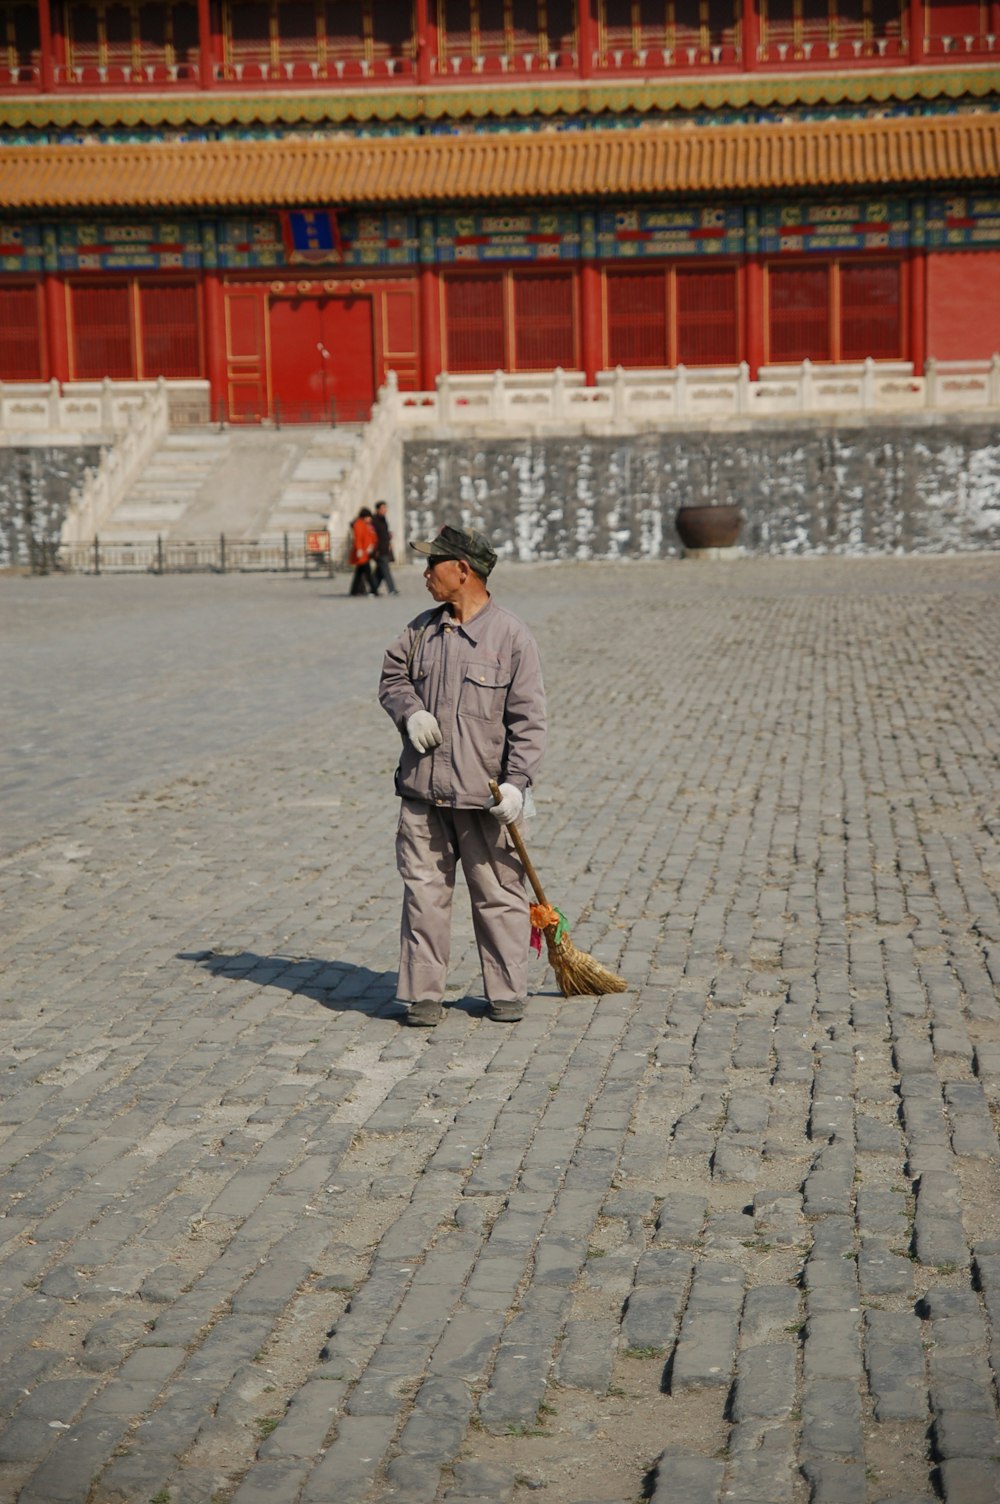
x=384 y=555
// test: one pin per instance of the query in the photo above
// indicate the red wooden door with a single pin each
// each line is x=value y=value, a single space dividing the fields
x=322 y=359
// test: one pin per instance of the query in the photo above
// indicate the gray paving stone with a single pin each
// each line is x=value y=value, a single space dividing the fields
x=304 y=1427
x=768 y=1311
x=894 y=1358
x=349 y=1466
x=762 y=1463
x=765 y=1382
x=968 y=1434
x=681 y=1219
x=966 y=1480
x=271 y=1480
x=883 y=1270
x=834 y=1482
x=39 y=1418
x=685 y=1475
x=651 y=1317
x=586 y=1359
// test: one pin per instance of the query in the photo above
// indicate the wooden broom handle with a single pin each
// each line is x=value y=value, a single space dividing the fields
x=520 y=847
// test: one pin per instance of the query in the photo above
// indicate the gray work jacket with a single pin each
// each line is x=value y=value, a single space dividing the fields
x=482 y=679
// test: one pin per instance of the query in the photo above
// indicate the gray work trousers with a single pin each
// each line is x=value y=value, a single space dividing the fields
x=430 y=842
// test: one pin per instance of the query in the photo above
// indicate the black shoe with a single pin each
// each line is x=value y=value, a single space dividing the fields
x=510 y=1012
x=424 y=1014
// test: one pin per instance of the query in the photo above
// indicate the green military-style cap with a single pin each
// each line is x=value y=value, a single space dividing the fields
x=460 y=543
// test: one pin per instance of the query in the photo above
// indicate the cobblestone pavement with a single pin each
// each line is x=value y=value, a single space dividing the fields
x=733 y=1235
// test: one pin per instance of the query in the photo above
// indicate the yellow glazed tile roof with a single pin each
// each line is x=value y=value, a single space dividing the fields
x=493 y=168
x=505 y=101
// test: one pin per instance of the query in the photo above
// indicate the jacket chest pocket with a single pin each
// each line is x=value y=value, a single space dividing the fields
x=483 y=692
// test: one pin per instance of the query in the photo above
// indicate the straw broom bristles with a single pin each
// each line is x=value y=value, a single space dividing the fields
x=577 y=973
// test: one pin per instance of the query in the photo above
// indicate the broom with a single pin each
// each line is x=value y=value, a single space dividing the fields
x=577 y=974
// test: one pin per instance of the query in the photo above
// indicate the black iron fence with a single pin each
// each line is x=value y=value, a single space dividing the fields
x=288 y=554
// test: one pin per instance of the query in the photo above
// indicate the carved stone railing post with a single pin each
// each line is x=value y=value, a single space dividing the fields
x=930 y=382
x=498 y=398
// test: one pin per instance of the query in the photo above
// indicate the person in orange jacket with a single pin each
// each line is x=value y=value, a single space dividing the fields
x=364 y=541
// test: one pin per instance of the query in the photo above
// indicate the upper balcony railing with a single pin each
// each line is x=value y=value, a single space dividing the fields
x=67 y=54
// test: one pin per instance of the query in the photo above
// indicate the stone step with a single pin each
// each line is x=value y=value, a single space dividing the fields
x=175 y=486
x=164 y=512
x=194 y=439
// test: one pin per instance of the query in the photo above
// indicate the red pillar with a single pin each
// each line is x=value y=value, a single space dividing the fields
x=586 y=37
x=206 y=46
x=755 y=344
x=916 y=22
x=47 y=57
x=918 y=311
x=749 y=35
x=215 y=342
x=430 y=327
x=590 y=301
x=56 y=327
x=427 y=42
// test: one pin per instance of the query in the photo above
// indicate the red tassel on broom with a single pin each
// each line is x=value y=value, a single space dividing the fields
x=577 y=974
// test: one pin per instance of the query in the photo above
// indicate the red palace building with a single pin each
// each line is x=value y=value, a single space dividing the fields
x=289 y=198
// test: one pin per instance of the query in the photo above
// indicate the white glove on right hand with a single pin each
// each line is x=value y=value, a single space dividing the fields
x=510 y=806
x=423 y=730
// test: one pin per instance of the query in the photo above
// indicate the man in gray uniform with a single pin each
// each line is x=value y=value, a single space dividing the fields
x=463 y=684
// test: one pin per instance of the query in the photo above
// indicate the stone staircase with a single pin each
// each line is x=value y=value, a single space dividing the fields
x=306 y=499
x=167 y=487
x=244 y=482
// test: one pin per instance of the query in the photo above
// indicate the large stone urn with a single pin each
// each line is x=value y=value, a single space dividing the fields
x=709 y=532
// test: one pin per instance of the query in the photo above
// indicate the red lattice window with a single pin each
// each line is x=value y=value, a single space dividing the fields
x=544 y=322
x=560 y=25
x=673 y=315
x=101 y=339
x=637 y=318
x=799 y=313
x=511 y=320
x=871 y=322
x=797 y=29
x=130 y=35
x=21 y=357
x=344 y=26
x=19 y=42
x=501 y=28
x=249 y=33
x=168 y=330
x=667 y=26
x=836 y=310
x=474 y=322
x=707 y=315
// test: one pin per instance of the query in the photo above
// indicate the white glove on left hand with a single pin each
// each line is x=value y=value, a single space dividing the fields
x=423 y=730
x=510 y=806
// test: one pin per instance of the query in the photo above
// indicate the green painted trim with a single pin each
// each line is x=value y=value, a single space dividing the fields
x=594 y=98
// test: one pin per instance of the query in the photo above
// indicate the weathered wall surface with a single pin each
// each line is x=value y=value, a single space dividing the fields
x=813 y=488
x=35 y=486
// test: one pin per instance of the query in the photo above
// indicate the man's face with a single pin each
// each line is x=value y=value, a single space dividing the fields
x=444 y=578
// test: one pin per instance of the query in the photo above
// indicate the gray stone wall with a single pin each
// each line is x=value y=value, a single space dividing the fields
x=812 y=488
x=35 y=486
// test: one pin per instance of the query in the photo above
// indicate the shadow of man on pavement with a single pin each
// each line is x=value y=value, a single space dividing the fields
x=337 y=985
